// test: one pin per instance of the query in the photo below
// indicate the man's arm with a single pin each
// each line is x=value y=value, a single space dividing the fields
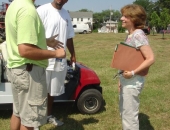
x=70 y=47
x=34 y=53
x=52 y=42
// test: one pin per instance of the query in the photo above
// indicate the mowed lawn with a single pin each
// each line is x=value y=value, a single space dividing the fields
x=95 y=51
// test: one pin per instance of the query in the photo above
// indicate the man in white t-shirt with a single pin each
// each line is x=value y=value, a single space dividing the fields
x=57 y=20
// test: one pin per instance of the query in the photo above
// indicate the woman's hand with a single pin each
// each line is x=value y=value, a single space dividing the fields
x=128 y=74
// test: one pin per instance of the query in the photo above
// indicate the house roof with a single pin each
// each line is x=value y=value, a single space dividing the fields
x=110 y=22
x=81 y=14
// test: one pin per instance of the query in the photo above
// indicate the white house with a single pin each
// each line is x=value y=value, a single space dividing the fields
x=109 y=26
x=112 y=26
x=82 y=17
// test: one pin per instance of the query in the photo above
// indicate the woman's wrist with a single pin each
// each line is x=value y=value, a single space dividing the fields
x=132 y=72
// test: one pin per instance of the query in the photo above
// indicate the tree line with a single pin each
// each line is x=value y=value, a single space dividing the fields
x=158 y=15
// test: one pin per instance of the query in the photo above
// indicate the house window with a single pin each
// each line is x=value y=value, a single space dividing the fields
x=81 y=19
x=72 y=19
x=77 y=19
x=88 y=19
x=74 y=26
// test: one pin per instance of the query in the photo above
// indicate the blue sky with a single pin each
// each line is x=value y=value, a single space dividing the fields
x=94 y=5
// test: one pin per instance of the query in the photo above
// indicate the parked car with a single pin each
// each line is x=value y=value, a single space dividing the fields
x=146 y=30
x=81 y=28
x=82 y=86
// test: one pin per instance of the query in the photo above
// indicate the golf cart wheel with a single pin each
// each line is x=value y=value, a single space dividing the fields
x=90 y=101
x=85 y=32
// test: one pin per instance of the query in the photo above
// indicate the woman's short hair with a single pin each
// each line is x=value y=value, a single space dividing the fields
x=136 y=13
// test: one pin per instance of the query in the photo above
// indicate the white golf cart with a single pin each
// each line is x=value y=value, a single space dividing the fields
x=82 y=87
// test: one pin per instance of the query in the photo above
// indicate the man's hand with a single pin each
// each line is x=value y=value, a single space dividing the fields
x=72 y=59
x=52 y=42
x=60 y=53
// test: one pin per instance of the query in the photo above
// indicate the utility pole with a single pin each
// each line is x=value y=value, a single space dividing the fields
x=111 y=13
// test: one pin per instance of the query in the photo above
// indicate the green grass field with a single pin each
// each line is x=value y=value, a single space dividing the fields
x=95 y=51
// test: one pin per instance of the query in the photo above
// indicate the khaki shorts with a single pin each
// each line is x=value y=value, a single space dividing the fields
x=29 y=95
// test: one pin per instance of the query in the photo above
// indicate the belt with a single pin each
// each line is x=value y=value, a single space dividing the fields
x=58 y=60
x=29 y=66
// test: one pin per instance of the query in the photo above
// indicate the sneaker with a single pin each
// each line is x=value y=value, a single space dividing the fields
x=36 y=128
x=52 y=120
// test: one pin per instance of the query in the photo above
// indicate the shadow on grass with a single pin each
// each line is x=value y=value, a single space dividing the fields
x=153 y=35
x=71 y=124
x=62 y=112
x=144 y=122
x=69 y=108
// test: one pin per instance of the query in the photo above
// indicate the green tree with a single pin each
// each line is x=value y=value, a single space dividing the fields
x=148 y=6
x=164 y=19
x=99 y=18
x=105 y=15
x=155 y=20
x=116 y=15
x=120 y=28
x=144 y=3
x=85 y=10
x=160 y=4
x=163 y=3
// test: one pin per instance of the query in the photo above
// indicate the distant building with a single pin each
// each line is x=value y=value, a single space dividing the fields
x=112 y=26
x=82 y=17
x=109 y=26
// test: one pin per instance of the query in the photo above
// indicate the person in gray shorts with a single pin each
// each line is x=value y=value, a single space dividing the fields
x=27 y=62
